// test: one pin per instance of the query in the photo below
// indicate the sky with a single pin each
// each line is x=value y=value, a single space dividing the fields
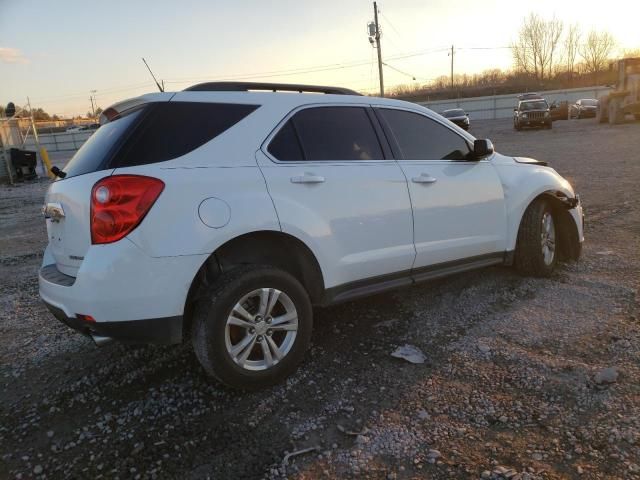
x=57 y=52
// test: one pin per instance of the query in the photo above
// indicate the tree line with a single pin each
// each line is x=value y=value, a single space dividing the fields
x=547 y=54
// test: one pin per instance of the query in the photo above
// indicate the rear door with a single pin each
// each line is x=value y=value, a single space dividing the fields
x=458 y=203
x=333 y=188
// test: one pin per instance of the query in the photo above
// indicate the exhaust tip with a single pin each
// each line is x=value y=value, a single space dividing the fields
x=101 y=341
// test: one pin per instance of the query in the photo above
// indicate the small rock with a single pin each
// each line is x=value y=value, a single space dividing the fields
x=433 y=454
x=503 y=419
x=606 y=376
x=409 y=353
x=50 y=434
x=537 y=456
x=38 y=469
x=484 y=348
x=423 y=414
x=486 y=474
x=580 y=470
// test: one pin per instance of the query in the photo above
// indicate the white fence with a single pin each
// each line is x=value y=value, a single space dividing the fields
x=501 y=106
x=59 y=142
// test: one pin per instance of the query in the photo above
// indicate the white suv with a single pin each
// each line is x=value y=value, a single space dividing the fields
x=222 y=213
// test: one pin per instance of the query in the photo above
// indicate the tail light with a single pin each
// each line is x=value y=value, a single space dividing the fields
x=119 y=203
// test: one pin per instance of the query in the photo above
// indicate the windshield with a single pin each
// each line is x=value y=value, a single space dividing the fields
x=590 y=103
x=537 y=105
x=95 y=150
x=454 y=113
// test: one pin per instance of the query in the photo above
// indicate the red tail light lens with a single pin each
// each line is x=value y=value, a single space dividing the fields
x=119 y=203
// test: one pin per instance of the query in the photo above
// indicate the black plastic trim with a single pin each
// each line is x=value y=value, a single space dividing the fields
x=52 y=275
x=271 y=87
x=166 y=330
x=371 y=286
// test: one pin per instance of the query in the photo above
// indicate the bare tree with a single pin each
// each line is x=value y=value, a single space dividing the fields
x=571 y=46
x=596 y=51
x=536 y=46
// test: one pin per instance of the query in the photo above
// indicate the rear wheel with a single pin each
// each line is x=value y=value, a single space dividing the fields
x=536 y=248
x=253 y=327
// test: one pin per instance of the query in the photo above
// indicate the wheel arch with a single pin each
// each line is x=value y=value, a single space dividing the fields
x=569 y=245
x=265 y=247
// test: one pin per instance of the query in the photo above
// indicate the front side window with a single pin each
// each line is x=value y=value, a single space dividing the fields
x=421 y=138
x=327 y=134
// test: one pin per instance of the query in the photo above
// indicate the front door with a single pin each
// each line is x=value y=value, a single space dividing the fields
x=458 y=202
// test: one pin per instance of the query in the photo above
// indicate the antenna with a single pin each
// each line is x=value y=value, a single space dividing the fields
x=154 y=77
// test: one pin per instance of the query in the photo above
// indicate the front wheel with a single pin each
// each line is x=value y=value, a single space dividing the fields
x=252 y=328
x=536 y=247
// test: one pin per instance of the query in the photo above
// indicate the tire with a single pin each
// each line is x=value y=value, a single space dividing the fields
x=516 y=125
x=616 y=114
x=531 y=257
x=214 y=338
x=602 y=112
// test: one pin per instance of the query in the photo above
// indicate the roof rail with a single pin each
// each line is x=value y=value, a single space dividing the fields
x=272 y=87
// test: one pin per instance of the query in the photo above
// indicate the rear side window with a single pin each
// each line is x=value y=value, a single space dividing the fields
x=97 y=150
x=421 y=138
x=285 y=145
x=172 y=129
x=327 y=133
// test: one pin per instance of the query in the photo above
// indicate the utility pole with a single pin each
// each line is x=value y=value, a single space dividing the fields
x=377 y=37
x=91 y=97
x=452 y=67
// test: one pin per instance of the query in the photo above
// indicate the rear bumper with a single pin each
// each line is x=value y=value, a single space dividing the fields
x=150 y=330
x=131 y=295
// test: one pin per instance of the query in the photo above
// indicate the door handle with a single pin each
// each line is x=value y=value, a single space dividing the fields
x=307 y=178
x=424 y=178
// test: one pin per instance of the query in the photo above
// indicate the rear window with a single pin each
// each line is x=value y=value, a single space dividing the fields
x=156 y=132
x=172 y=129
x=95 y=152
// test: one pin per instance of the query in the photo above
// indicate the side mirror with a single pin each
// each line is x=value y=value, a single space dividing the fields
x=482 y=148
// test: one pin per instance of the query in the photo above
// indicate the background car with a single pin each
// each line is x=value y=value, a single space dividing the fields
x=585 y=107
x=457 y=116
x=532 y=113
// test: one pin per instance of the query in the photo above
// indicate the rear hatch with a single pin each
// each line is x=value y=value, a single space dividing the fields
x=67 y=202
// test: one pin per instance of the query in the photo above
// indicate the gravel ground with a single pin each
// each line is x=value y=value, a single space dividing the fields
x=523 y=379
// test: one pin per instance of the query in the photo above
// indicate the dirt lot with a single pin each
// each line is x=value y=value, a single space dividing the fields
x=513 y=386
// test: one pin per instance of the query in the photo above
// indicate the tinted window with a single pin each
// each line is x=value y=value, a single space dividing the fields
x=97 y=149
x=285 y=145
x=337 y=133
x=421 y=138
x=172 y=129
x=535 y=105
